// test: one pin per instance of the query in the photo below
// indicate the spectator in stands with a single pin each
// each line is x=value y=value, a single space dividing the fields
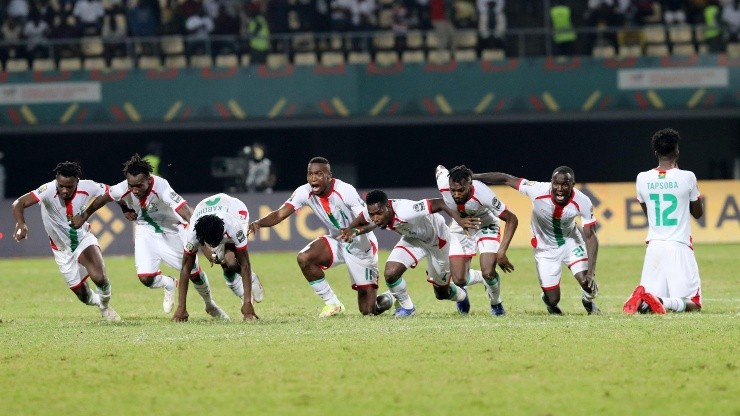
x=322 y=18
x=183 y=12
x=673 y=12
x=199 y=27
x=464 y=14
x=143 y=19
x=440 y=12
x=491 y=21
x=731 y=20
x=259 y=34
x=306 y=11
x=276 y=13
x=712 y=28
x=36 y=32
x=563 y=36
x=419 y=14
x=115 y=31
x=364 y=21
x=602 y=14
x=341 y=15
x=65 y=30
x=19 y=10
x=260 y=173
x=400 y=25
x=89 y=15
x=47 y=11
x=10 y=31
x=644 y=11
x=227 y=25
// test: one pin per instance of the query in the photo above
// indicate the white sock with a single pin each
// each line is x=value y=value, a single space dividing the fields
x=588 y=297
x=204 y=289
x=674 y=304
x=493 y=289
x=456 y=295
x=93 y=299
x=234 y=282
x=104 y=294
x=474 y=276
x=167 y=282
x=322 y=288
x=401 y=294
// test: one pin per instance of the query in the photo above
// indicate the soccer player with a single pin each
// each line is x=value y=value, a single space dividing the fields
x=336 y=203
x=162 y=217
x=76 y=251
x=423 y=233
x=474 y=199
x=556 y=237
x=668 y=195
x=220 y=227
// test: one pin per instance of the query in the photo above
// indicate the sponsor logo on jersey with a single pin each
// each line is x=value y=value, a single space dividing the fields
x=240 y=237
x=496 y=203
x=41 y=189
x=189 y=247
x=419 y=207
x=175 y=197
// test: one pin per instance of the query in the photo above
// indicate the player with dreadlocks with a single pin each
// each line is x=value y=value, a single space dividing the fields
x=221 y=223
x=474 y=199
x=161 y=217
x=76 y=250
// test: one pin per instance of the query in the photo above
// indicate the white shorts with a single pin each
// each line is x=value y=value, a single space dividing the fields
x=74 y=273
x=152 y=248
x=363 y=269
x=485 y=240
x=410 y=252
x=549 y=262
x=670 y=271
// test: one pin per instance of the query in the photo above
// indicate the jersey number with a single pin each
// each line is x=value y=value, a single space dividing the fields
x=662 y=217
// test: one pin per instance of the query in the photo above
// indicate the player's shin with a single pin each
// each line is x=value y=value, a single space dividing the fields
x=104 y=293
x=674 y=304
x=400 y=292
x=234 y=282
x=456 y=295
x=474 y=277
x=493 y=288
x=322 y=288
x=204 y=289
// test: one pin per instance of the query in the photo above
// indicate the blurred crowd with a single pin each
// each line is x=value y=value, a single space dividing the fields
x=28 y=25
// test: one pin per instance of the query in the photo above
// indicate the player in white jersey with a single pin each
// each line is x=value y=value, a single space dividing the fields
x=76 y=251
x=556 y=238
x=473 y=199
x=219 y=226
x=669 y=197
x=424 y=233
x=336 y=204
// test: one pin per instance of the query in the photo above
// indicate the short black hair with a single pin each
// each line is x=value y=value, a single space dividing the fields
x=319 y=159
x=376 y=197
x=209 y=229
x=565 y=170
x=68 y=169
x=460 y=174
x=136 y=166
x=665 y=141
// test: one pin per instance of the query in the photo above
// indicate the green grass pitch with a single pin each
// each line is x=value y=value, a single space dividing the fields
x=58 y=358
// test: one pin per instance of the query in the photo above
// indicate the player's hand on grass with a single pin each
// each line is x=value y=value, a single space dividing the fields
x=503 y=263
x=181 y=315
x=248 y=312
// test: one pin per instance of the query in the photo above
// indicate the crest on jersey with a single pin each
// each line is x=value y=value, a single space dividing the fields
x=175 y=197
x=240 y=237
x=419 y=207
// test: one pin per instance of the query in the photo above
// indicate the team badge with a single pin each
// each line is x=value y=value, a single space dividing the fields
x=240 y=237
x=496 y=203
x=189 y=247
x=419 y=207
x=41 y=189
x=175 y=197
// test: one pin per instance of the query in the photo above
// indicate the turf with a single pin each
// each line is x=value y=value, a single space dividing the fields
x=58 y=357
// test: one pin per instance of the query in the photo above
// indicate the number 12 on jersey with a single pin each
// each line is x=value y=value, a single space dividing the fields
x=662 y=216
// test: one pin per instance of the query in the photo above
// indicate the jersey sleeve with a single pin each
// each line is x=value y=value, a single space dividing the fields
x=354 y=201
x=118 y=191
x=410 y=210
x=488 y=198
x=169 y=196
x=532 y=189
x=586 y=209
x=694 y=192
x=443 y=180
x=298 y=199
x=43 y=191
x=640 y=199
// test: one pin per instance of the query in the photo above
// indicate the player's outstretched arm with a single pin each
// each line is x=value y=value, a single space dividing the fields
x=592 y=249
x=273 y=218
x=497 y=178
x=438 y=204
x=358 y=226
x=512 y=222
x=181 y=313
x=242 y=257
x=19 y=205
x=99 y=202
x=185 y=212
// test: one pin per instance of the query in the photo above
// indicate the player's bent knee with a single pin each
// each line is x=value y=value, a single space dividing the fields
x=147 y=281
x=442 y=293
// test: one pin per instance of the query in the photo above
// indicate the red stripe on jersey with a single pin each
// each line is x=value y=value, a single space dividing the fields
x=551 y=287
x=697 y=298
x=332 y=253
x=429 y=206
x=519 y=183
x=53 y=244
x=543 y=196
x=149 y=274
x=578 y=261
x=358 y=287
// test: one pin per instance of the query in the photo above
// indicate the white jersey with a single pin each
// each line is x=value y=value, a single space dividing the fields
x=553 y=223
x=667 y=194
x=56 y=212
x=337 y=210
x=482 y=202
x=235 y=216
x=157 y=210
x=415 y=220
